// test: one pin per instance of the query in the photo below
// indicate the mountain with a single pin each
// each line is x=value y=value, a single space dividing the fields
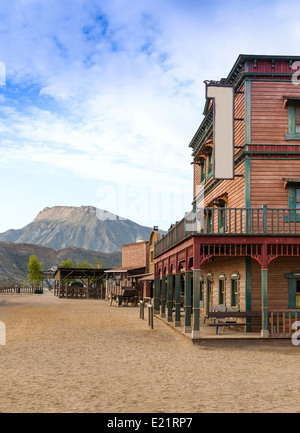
x=15 y=257
x=83 y=227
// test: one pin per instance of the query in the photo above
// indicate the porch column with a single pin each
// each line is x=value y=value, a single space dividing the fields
x=196 y=303
x=156 y=295
x=170 y=298
x=177 y=299
x=163 y=297
x=264 y=292
x=188 y=302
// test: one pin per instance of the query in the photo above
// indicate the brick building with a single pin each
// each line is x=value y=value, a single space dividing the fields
x=137 y=268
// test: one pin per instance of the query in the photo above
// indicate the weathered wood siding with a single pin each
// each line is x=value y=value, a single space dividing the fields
x=267 y=184
x=278 y=286
x=227 y=265
x=269 y=117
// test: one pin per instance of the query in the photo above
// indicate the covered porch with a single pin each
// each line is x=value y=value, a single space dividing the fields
x=178 y=285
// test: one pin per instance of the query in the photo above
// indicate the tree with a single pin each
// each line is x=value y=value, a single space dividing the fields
x=67 y=264
x=84 y=264
x=99 y=263
x=35 y=269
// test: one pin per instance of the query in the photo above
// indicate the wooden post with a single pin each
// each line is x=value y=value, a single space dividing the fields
x=196 y=289
x=163 y=297
x=150 y=315
x=188 y=301
x=156 y=295
x=177 y=299
x=170 y=298
x=264 y=292
x=142 y=304
x=196 y=303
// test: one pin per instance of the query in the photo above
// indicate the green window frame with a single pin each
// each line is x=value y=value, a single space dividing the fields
x=222 y=216
x=222 y=288
x=202 y=170
x=209 y=163
x=209 y=290
x=294 y=120
x=294 y=290
x=234 y=289
x=201 y=291
x=294 y=201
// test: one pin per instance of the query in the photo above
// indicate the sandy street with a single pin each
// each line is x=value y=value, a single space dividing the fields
x=84 y=356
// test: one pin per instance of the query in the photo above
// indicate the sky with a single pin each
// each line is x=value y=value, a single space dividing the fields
x=99 y=99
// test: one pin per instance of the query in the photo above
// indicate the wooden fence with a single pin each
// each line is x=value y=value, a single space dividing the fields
x=281 y=322
x=25 y=289
x=80 y=292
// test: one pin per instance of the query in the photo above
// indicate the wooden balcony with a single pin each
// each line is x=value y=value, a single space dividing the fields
x=225 y=221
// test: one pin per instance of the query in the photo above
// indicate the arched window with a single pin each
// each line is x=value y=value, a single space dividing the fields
x=234 y=289
x=222 y=287
x=201 y=291
x=209 y=291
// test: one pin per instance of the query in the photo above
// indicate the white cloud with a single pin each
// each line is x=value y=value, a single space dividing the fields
x=120 y=84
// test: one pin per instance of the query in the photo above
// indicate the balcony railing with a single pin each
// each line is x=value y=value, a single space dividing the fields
x=232 y=221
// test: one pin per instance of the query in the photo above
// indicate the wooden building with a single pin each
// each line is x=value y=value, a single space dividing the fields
x=90 y=279
x=137 y=268
x=240 y=247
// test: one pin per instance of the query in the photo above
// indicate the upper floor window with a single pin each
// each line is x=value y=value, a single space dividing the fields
x=297 y=197
x=293 y=105
x=202 y=170
x=297 y=119
x=293 y=187
x=209 y=163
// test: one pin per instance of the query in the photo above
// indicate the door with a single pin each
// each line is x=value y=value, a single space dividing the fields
x=297 y=293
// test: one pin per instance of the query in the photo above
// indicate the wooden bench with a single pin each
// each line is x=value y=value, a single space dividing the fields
x=214 y=309
x=229 y=318
x=219 y=325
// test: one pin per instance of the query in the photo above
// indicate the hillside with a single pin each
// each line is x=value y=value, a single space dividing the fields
x=14 y=259
x=82 y=227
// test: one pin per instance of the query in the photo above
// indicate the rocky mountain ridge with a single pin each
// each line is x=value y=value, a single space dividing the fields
x=83 y=227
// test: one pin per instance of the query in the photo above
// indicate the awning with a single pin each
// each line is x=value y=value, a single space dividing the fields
x=288 y=180
x=149 y=277
x=138 y=275
x=291 y=100
x=127 y=269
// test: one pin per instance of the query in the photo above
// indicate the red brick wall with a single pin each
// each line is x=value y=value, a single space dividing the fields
x=135 y=255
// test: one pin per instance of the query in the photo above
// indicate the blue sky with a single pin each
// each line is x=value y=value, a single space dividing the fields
x=101 y=98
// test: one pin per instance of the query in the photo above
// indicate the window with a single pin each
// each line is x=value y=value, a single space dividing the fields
x=209 y=291
x=294 y=290
x=209 y=163
x=234 y=293
x=202 y=170
x=201 y=291
x=297 y=293
x=234 y=289
x=297 y=197
x=294 y=120
x=294 y=202
x=222 y=279
x=222 y=216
